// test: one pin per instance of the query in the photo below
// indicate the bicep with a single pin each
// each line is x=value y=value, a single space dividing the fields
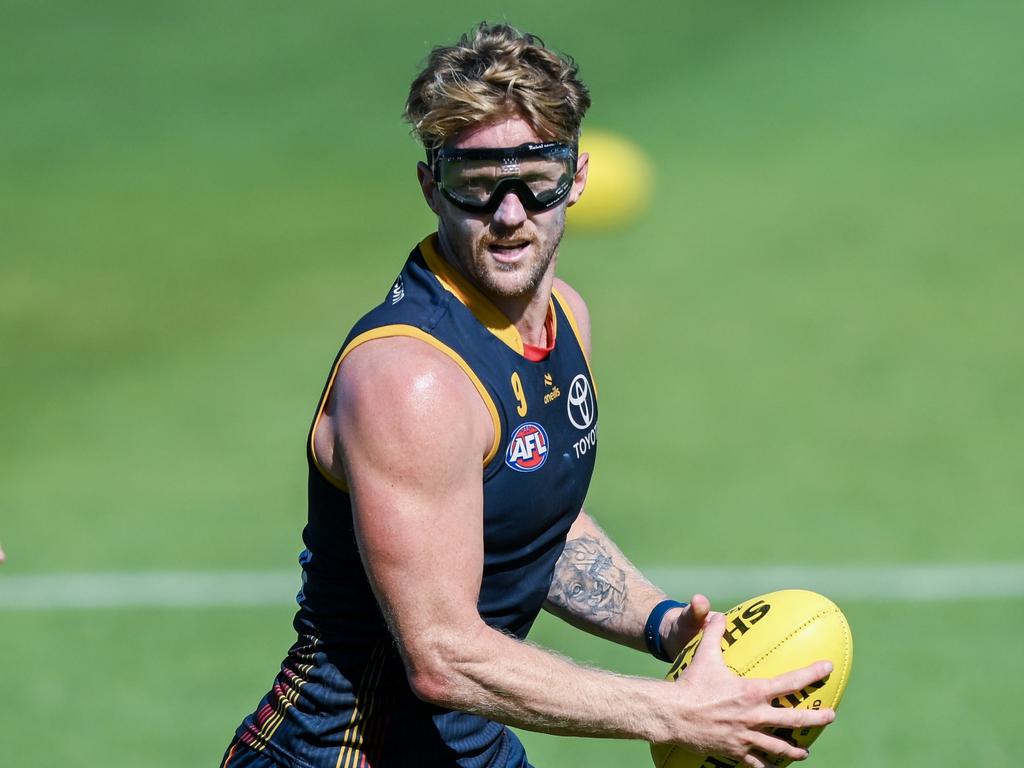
x=410 y=443
x=421 y=544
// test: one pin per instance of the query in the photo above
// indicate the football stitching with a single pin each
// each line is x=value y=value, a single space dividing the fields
x=786 y=639
x=664 y=762
x=847 y=663
x=843 y=674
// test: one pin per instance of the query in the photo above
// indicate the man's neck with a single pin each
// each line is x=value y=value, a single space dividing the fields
x=527 y=313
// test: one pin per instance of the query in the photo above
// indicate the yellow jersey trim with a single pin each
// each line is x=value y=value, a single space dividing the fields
x=576 y=332
x=552 y=342
x=281 y=706
x=411 y=331
x=352 y=754
x=492 y=318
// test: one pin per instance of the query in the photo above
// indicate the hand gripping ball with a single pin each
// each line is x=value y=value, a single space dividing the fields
x=764 y=637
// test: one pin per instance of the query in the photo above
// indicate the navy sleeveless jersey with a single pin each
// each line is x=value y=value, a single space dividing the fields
x=342 y=699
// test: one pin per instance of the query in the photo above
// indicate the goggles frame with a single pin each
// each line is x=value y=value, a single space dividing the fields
x=507 y=156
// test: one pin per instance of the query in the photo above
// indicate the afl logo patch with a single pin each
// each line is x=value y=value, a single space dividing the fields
x=528 y=448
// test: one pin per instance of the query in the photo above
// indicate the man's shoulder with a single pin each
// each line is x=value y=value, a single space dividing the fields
x=398 y=366
x=400 y=390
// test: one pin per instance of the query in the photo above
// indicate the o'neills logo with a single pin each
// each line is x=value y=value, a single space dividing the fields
x=527 y=448
x=397 y=291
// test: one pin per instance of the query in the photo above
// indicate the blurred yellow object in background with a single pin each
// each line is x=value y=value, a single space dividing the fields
x=618 y=182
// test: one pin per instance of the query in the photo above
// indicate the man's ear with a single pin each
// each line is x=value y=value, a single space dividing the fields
x=427 y=185
x=579 y=181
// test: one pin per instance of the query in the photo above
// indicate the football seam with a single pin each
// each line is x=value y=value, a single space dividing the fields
x=822 y=613
x=847 y=662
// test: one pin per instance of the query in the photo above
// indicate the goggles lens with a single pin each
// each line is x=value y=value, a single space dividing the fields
x=478 y=179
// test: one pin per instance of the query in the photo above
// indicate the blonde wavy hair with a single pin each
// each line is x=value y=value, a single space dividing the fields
x=492 y=72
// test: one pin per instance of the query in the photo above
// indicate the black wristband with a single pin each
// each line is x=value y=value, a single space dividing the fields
x=652 y=637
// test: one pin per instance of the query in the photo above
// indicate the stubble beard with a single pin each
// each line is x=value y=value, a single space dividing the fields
x=519 y=280
x=509 y=281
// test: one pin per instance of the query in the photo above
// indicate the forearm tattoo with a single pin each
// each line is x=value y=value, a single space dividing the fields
x=587 y=582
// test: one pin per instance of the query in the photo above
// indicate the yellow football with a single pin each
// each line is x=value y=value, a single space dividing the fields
x=764 y=637
x=618 y=182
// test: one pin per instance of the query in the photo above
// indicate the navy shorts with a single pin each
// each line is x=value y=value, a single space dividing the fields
x=238 y=755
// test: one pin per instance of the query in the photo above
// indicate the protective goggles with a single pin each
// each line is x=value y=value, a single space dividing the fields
x=477 y=180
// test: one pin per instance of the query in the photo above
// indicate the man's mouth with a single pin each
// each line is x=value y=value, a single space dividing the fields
x=509 y=250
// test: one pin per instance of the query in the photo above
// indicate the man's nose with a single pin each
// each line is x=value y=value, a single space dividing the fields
x=511 y=212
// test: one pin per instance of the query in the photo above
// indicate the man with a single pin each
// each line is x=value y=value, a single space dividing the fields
x=449 y=460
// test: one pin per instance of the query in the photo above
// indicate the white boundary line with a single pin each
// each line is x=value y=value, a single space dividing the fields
x=919 y=582
x=210 y=589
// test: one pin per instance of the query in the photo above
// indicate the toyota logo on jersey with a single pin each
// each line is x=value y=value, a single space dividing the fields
x=580 y=403
x=528 y=447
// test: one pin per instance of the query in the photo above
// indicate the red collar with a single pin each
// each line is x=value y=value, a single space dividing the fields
x=535 y=354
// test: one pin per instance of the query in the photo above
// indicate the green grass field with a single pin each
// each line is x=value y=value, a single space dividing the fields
x=808 y=347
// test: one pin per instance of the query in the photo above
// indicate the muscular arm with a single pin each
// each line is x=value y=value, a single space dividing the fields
x=596 y=588
x=409 y=431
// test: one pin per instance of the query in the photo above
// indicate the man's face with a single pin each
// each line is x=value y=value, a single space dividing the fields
x=507 y=253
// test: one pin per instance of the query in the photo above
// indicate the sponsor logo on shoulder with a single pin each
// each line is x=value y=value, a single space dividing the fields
x=397 y=291
x=527 y=448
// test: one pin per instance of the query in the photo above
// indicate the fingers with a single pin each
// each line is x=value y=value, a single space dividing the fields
x=758 y=761
x=784 y=717
x=799 y=679
x=700 y=607
x=777 y=749
x=711 y=644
